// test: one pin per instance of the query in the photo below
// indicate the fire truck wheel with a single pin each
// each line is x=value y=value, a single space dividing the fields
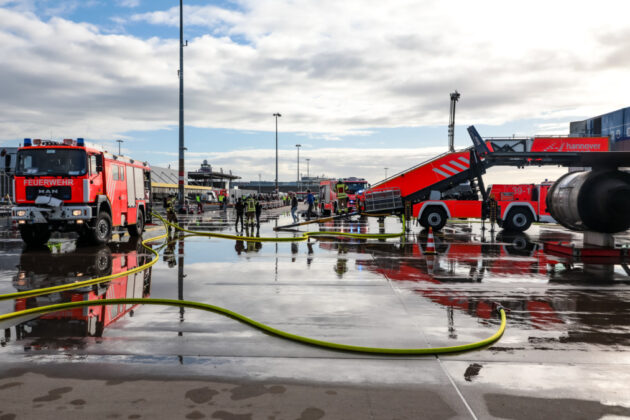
x=138 y=228
x=518 y=220
x=434 y=217
x=102 y=231
x=34 y=235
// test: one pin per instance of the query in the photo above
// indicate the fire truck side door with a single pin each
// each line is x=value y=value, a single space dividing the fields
x=96 y=179
x=131 y=187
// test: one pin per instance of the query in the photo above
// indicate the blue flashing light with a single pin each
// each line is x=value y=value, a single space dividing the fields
x=27 y=142
x=80 y=142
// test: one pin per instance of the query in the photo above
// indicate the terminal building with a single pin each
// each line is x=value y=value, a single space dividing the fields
x=268 y=187
x=204 y=182
x=614 y=125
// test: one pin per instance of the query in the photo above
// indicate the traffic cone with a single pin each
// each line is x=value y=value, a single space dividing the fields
x=430 y=250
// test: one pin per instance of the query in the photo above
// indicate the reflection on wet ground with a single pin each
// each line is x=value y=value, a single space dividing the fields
x=568 y=320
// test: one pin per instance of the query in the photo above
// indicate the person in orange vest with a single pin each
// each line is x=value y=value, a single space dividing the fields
x=342 y=196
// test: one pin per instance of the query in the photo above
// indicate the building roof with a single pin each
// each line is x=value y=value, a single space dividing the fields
x=164 y=175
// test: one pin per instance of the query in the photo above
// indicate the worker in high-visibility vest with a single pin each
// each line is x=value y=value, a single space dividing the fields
x=171 y=217
x=250 y=210
x=341 y=189
x=199 y=204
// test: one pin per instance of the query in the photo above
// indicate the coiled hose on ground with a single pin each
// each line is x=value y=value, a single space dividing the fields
x=234 y=315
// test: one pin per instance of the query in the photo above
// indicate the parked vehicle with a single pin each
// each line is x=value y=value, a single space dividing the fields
x=517 y=206
x=70 y=187
x=328 y=195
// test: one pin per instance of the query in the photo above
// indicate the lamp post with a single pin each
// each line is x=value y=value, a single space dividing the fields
x=119 y=141
x=298 y=165
x=386 y=172
x=181 y=104
x=259 y=181
x=277 y=115
x=308 y=172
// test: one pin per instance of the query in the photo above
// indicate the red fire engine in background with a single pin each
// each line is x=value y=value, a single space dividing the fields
x=70 y=187
x=328 y=195
x=517 y=207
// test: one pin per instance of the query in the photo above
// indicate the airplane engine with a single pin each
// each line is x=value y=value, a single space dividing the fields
x=593 y=200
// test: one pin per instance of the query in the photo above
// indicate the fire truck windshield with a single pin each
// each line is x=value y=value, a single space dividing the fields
x=51 y=161
x=353 y=187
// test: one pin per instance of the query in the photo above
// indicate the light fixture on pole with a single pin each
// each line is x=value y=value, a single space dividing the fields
x=259 y=181
x=119 y=141
x=386 y=172
x=298 y=165
x=277 y=115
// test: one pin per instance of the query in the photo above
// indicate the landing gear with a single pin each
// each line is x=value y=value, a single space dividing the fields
x=35 y=235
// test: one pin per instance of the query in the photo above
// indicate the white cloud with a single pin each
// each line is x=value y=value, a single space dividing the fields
x=343 y=162
x=333 y=69
x=128 y=3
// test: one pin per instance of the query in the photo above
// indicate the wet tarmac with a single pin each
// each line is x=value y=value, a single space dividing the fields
x=565 y=353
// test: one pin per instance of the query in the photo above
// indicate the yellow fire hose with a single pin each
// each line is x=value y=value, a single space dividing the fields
x=227 y=312
x=303 y=237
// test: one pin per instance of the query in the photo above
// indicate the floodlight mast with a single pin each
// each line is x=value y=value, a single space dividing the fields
x=181 y=105
x=451 y=124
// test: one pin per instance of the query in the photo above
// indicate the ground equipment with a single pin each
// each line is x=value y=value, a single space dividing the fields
x=437 y=178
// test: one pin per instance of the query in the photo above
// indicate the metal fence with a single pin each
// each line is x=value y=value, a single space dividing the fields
x=383 y=200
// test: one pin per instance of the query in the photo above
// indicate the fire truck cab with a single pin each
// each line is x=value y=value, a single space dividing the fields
x=69 y=187
x=517 y=206
x=328 y=195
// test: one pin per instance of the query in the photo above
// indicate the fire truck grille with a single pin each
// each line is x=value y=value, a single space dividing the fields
x=62 y=193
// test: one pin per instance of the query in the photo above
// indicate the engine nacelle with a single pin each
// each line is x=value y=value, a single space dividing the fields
x=598 y=201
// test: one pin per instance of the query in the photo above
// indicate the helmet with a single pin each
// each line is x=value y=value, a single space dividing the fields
x=340 y=181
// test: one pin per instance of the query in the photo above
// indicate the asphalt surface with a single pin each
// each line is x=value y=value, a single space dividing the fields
x=565 y=353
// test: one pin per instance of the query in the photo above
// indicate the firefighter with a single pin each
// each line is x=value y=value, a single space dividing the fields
x=250 y=210
x=239 y=208
x=199 y=204
x=221 y=199
x=258 y=211
x=171 y=216
x=342 y=197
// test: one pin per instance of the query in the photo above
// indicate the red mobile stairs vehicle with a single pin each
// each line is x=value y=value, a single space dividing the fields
x=587 y=200
x=328 y=195
x=70 y=187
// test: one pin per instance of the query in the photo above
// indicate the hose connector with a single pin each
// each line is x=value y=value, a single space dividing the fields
x=498 y=307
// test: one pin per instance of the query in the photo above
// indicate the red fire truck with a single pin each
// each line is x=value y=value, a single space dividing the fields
x=69 y=187
x=517 y=207
x=328 y=195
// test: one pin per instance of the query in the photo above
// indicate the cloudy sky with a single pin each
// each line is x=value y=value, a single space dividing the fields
x=362 y=85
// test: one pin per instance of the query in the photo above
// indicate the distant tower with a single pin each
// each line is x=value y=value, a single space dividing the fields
x=451 y=124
